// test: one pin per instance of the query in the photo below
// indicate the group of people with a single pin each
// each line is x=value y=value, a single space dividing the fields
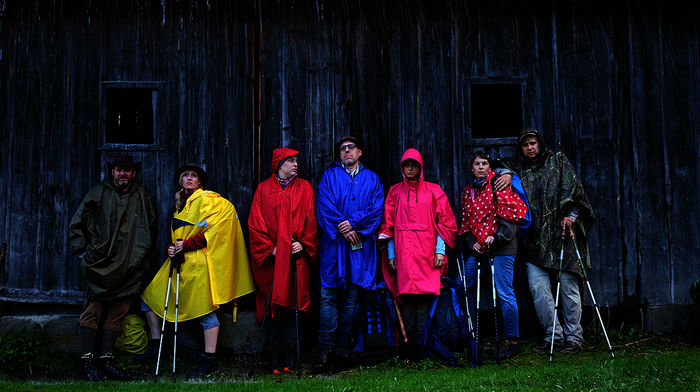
x=341 y=233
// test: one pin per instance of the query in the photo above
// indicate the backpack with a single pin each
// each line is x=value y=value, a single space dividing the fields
x=376 y=332
x=446 y=330
x=517 y=185
x=134 y=336
x=524 y=225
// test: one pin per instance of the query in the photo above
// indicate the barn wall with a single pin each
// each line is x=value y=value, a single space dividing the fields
x=616 y=88
x=56 y=57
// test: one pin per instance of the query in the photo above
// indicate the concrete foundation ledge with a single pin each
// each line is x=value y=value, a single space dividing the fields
x=62 y=330
x=669 y=319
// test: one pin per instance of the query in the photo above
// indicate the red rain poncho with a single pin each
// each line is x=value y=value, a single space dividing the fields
x=414 y=213
x=276 y=217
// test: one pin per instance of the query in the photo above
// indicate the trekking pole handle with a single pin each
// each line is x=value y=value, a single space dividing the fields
x=571 y=232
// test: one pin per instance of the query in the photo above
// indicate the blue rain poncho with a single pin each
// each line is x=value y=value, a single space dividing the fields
x=359 y=200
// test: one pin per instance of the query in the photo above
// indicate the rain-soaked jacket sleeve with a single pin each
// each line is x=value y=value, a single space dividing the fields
x=328 y=215
x=78 y=224
x=261 y=245
x=445 y=222
x=309 y=238
x=464 y=218
x=387 y=228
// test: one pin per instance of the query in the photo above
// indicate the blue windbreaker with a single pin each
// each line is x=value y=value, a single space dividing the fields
x=359 y=200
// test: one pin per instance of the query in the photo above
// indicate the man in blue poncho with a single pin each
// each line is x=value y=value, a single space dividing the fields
x=349 y=208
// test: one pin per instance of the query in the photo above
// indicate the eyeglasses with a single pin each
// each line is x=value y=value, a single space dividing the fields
x=350 y=146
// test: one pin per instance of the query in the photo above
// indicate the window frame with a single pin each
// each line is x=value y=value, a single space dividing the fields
x=496 y=141
x=155 y=87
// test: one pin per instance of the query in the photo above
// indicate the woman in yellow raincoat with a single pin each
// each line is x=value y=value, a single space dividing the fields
x=206 y=233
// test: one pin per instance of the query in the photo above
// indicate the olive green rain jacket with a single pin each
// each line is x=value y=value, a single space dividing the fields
x=113 y=232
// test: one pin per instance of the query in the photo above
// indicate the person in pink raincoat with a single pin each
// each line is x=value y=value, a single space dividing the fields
x=419 y=223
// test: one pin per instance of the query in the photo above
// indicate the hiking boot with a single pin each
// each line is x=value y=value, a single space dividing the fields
x=110 y=368
x=150 y=354
x=324 y=362
x=509 y=349
x=90 y=370
x=207 y=365
x=545 y=346
x=570 y=348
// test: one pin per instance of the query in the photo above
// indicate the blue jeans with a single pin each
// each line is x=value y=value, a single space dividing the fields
x=503 y=271
x=337 y=311
x=569 y=299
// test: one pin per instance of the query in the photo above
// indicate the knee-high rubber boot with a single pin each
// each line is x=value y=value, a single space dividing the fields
x=86 y=337
x=107 y=362
x=91 y=371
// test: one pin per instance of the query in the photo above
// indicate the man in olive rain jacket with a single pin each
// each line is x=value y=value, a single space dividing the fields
x=111 y=232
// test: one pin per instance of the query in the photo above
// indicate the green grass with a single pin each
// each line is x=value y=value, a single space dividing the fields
x=646 y=364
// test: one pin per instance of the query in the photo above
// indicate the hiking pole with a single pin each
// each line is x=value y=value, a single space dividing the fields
x=595 y=304
x=293 y=263
x=262 y=329
x=461 y=269
x=402 y=326
x=556 y=302
x=478 y=302
x=495 y=308
x=177 y=303
x=165 y=313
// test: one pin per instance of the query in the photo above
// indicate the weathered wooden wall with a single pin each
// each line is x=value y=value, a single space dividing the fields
x=55 y=57
x=614 y=85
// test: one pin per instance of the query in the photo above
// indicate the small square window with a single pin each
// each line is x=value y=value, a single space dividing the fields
x=496 y=110
x=129 y=115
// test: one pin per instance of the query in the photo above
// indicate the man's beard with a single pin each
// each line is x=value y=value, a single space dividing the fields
x=122 y=186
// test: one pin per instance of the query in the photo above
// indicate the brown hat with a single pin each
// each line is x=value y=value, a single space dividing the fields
x=124 y=161
x=203 y=177
x=344 y=139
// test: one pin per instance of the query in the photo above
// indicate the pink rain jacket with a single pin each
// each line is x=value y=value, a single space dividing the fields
x=414 y=213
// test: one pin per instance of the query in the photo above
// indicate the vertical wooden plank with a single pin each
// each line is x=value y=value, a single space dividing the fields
x=627 y=159
x=680 y=86
x=650 y=190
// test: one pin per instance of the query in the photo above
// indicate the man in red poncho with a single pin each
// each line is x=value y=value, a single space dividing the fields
x=418 y=221
x=282 y=227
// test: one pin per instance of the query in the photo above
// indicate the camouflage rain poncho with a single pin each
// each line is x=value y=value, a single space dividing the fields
x=553 y=190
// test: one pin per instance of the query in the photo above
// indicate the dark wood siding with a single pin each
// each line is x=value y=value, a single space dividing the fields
x=616 y=86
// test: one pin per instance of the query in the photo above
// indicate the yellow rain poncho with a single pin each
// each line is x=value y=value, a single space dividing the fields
x=211 y=276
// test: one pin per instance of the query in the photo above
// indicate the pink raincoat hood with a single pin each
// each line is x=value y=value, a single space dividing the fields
x=412 y=153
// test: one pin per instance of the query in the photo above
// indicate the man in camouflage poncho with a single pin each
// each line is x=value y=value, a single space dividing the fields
x=557 y=202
